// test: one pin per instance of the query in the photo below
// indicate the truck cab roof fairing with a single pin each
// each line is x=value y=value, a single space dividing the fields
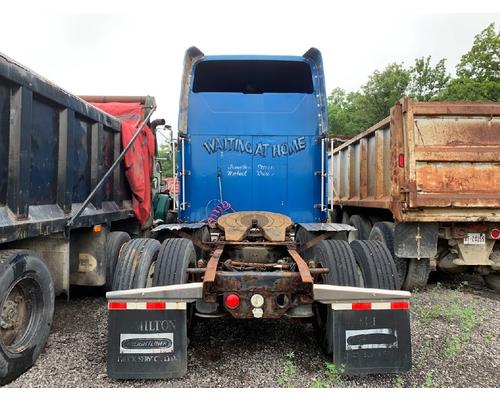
x=192 y=55
x=313 y=57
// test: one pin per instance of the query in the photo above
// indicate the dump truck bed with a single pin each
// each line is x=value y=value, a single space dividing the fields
x=54 y=148
x=428 y=161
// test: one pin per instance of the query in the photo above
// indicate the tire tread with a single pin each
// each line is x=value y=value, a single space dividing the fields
x=376 y=263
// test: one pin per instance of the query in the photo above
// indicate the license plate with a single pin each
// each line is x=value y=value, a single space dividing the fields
x=475 y=238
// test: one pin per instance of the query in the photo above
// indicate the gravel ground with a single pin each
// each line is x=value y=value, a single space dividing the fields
x=455 y=333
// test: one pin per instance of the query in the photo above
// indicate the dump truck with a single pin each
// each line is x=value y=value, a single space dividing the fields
x=251 y=238
x=67 y=201
x=425 y=181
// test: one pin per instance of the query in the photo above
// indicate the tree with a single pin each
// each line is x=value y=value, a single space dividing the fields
x=345 y=116
x=338 y=112
x=477 y=78
x=427 y=82
x=351 y=113
x=482 y=62
x=478 y=73
x=165 y=156
x=382 y=90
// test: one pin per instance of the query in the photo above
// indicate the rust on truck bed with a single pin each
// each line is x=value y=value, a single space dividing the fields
x=428 y=161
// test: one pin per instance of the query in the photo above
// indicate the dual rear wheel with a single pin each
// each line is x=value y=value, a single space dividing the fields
x=145 y=263
x=413 y=273
x=361 y=263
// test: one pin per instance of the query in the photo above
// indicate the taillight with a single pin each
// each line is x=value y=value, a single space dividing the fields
x=361 y=306
x=155 y=305
x=401 y=160
x=117 y=305
x=400 y=305
x=495 y=233
x=232 y=300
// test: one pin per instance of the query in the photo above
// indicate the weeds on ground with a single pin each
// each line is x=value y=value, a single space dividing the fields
x=455 y=312
x=424 y=353
x=289 y=373
x=332 y=377
x=429 y=380
x=466 y=318
x=399 y=382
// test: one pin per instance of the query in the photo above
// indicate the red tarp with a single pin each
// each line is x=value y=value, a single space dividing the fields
x=139 y=159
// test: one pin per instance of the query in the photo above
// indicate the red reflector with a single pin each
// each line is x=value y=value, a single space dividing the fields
x=155 y=305
x=401 y=160
x=232 y=301
x=117 y=305
x=400 y=305
x=495 y=233
x=361 y=306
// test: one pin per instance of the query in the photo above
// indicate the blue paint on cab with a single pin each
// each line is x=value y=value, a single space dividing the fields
x=253 y=128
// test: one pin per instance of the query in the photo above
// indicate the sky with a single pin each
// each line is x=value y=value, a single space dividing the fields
x=137 y=48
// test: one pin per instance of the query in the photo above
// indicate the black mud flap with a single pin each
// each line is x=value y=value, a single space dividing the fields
x=416 y=240
x=371 y=341
x=146 y=340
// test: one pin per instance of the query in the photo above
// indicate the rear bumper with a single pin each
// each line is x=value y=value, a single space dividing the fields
x=147 y=335
x=328 y=294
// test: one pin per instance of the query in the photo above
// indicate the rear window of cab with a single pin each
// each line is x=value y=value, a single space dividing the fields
x=253 y=77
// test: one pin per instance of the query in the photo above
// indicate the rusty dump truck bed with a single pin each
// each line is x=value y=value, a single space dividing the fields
x=427 y=161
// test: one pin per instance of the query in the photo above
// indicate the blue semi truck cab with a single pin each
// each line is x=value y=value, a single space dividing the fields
x=252 y=133
x=251 y=238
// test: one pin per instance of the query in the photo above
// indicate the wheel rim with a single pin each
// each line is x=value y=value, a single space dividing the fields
x=19 y=316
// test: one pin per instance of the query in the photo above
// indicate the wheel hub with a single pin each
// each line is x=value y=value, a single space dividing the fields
x=9 y=315
x=14 y=317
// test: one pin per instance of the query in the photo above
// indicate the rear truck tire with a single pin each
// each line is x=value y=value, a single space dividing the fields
x=492 y=280
x=417 y=275
x=175 y=257
x=26 y=311
x=384 y=232
x=363 y=228
x=114 y=243
x=337 y=256
x=134 y=264
x=203 y=235
x=143 y=277
x=376 y=264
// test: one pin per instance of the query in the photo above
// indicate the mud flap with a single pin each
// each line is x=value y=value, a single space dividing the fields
x=146 y=340
x=371 y=338
x=416 y=240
